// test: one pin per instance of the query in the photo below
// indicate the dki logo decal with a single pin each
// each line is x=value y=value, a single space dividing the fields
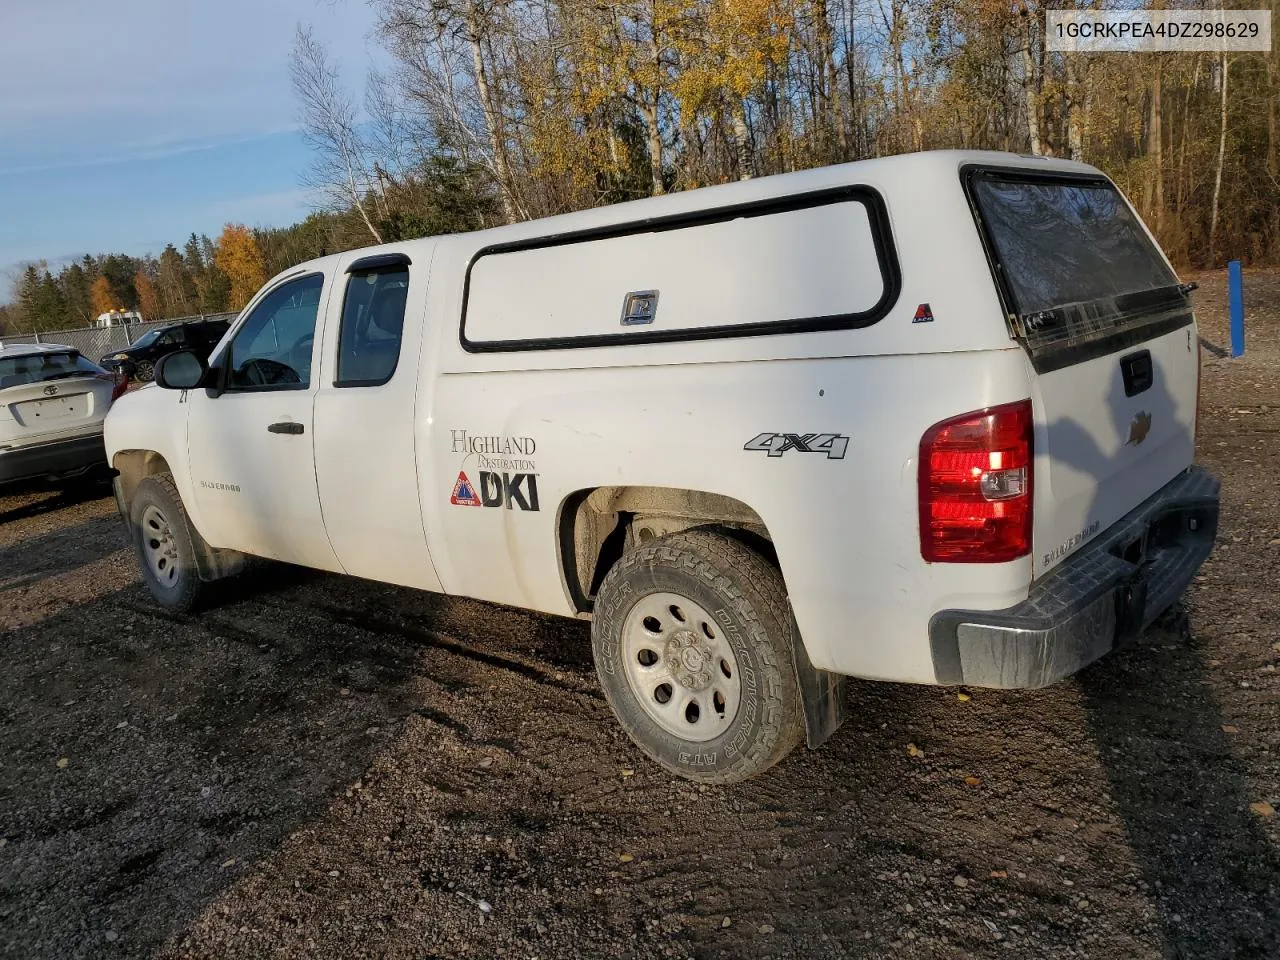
x=776 y=444
x=496 y=490
x=464 y=494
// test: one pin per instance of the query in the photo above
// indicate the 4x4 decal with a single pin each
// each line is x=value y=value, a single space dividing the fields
x=776 y=444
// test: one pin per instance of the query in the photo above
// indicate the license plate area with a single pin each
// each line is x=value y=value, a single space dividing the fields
x=34 y=413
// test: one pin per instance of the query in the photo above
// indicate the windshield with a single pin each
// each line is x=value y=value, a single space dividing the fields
x=34 y=368
x=146 y=340
x=1062 y=242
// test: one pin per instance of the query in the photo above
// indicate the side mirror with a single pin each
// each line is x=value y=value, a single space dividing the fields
x=184 y=370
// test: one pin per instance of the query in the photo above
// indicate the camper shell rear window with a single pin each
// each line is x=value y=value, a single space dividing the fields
x=1077 y=272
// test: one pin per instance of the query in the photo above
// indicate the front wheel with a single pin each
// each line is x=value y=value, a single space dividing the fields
x=162 y=539
x=144 y=371
x=691 y=644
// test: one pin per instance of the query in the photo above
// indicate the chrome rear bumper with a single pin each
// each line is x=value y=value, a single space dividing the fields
x=1108 y=592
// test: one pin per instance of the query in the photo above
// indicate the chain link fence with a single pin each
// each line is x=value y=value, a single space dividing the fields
x=96 y=342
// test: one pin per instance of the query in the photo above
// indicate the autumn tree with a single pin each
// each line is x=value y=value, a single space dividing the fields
x=119 y=270
x=729 y=50
x=240 y=259
x=102 y=297
x=149 y=304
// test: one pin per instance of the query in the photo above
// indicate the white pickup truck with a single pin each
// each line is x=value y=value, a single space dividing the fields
x=927 y=418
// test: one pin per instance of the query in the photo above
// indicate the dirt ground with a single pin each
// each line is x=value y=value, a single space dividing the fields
x=326 y=767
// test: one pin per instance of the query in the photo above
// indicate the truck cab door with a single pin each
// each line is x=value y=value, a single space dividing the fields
x=367 y=415
x=251 y=443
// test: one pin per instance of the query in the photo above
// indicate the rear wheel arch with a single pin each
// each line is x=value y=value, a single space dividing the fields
x=597 y=525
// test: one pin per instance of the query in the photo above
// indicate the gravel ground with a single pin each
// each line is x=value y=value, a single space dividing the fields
x=326 y=767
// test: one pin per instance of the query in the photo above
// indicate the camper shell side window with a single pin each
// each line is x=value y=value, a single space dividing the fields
x=817 y=261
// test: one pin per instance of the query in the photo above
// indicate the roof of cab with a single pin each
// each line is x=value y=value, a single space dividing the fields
x=32 y=349
x=889 y=175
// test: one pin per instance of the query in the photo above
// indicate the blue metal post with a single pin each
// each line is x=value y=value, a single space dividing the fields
x=1235 y=297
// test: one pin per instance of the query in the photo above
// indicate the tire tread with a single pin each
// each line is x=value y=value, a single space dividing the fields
x=755 y=589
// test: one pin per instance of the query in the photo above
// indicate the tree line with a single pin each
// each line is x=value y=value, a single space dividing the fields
x=204 y=276
x=558 y=105
x=503 y=110
x=215 y=275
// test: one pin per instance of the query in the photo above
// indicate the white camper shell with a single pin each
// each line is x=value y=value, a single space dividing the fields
x=927 y=418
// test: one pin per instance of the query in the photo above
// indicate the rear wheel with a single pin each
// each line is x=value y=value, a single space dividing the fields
x=691 y=643
x=163 y=541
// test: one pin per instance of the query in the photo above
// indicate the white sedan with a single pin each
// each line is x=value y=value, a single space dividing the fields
x=52 y=403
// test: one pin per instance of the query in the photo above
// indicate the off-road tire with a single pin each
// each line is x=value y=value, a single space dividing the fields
x=747 y=597
x=185 y=590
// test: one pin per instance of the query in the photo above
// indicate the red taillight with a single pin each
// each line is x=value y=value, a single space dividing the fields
x=975 y=486
x=121 y=385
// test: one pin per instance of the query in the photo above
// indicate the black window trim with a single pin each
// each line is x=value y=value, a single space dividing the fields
x=380 y=264
x=882 y=239
x=224 y=373
x=970 y=173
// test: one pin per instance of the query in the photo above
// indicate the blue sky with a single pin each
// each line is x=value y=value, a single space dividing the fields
x=127 y=125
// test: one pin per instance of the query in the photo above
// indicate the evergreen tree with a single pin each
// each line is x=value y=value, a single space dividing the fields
x=28 y=291
x=177 y=289
x=50 y=307
x=75 y=294
x=215 y=297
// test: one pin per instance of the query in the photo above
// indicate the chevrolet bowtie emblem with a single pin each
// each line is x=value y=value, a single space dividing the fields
x=1139 y=427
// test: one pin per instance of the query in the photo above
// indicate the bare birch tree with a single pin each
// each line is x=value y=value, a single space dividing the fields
x=340 y=169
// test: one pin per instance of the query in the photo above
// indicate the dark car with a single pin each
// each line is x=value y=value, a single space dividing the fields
x=138 y=360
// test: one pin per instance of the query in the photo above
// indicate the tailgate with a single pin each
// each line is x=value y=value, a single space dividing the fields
x=1111 y=337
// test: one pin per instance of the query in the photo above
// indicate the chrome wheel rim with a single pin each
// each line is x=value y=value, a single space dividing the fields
x=160 y=547
x=681 y=667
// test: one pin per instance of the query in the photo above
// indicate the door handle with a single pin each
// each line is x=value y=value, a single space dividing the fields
x=285 y=426
x=1137 y=372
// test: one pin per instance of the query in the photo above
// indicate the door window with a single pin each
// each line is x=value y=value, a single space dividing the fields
x=272 y=349
x=372 y=326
